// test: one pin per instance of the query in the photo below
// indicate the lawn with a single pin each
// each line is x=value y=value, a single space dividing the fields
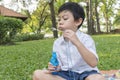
x=17 y=62
x=108 y=49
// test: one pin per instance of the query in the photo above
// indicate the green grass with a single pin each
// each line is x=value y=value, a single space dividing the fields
x=108 y=49
x=17 y=62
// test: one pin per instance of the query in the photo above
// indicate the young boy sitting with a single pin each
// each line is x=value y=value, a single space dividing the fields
x=75 y=51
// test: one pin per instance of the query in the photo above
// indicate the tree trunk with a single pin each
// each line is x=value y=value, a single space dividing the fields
x=41 y=22
x=55 y=33
x=90 y=27
x=110 y=24
x=42 y=18
x=106 y=19
x=87 y=13
x=97 y=17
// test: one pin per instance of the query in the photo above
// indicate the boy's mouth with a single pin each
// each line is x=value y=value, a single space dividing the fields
x=61 y=29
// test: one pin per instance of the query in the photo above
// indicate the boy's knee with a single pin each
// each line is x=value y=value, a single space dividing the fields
x=95 y=77
x=37 y=71
x=39 y=74
x=36 y=74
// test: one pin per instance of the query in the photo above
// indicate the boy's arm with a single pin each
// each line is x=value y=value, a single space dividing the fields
x=87 y=55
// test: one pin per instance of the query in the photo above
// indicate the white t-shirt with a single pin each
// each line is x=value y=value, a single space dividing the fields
x=69 y=57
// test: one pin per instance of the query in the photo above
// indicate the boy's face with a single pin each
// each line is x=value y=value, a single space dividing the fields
x=66 y=21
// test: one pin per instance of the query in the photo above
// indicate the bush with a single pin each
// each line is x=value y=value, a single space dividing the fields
x=28 y=37
x=9 y=27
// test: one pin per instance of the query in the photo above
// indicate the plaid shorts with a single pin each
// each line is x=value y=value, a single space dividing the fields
x=69 y=75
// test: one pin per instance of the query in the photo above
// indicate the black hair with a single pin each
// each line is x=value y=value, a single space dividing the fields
x=75 y=8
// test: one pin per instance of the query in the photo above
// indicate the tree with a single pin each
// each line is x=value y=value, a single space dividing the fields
x=37 y=18
x=42 y=18
x=117 y=20
x=53 y=18
x=41 y=14
x=89 y=15
x=107 y=12
x=97 y=16
x=90 y=18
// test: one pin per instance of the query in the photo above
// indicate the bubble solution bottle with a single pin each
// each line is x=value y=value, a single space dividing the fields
x=54 y=60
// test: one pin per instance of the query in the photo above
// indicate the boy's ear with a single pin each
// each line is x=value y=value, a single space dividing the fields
x=78 y=22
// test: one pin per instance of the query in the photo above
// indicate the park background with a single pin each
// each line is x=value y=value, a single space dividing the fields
x=26 y=45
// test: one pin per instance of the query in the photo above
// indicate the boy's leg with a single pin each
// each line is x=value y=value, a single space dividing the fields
x=45 y=75
x=95 y=77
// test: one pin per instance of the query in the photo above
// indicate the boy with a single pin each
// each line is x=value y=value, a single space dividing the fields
x=76 y=53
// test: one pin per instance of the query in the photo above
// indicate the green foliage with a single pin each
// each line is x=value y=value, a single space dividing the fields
x=9 y=27
x=28 y=37
x=117 y=19
x=39 y=19
x=3 y=30
x=17 y=62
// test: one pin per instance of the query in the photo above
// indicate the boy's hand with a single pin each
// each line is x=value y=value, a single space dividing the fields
x=71 y=36
x=52 y=68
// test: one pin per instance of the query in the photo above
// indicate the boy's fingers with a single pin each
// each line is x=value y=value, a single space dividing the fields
x=50 y=65
x=51 y=69
x=48 y=71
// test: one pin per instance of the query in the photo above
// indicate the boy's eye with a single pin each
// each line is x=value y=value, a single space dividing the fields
x=58 y=19
x=65 y=18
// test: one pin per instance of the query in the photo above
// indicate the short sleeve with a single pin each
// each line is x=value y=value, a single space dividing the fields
x=90 y=45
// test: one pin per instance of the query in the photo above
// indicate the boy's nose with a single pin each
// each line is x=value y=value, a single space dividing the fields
x=60 y=23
